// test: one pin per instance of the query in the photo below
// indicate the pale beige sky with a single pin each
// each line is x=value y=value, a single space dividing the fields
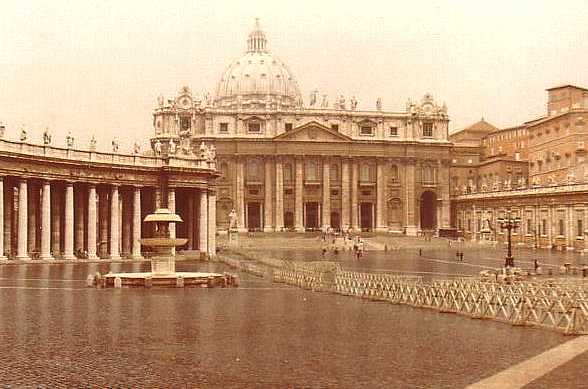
x=98 y=66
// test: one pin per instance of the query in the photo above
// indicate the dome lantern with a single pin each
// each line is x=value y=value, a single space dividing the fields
x=257 y=41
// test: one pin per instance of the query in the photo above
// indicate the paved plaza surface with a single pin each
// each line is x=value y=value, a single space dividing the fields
x=58 y=333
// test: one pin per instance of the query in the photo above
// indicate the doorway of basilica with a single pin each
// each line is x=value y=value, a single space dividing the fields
x=253 y=216
x=428 y=210
x=311 y=212
x=366 y=221
x=335 y=221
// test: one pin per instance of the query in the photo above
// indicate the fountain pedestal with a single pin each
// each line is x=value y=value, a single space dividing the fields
x=163 y=261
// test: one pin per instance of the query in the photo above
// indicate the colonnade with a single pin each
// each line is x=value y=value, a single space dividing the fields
x=63 y=219
x=562 y=225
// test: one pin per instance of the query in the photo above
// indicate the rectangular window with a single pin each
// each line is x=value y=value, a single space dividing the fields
x=254 y=127
x=580 y=228
x=288 y=192
x=529 y=229
x=428 y=130
x=288 y=127
x=562 y=229
x=469 y=224
x=393 y=131
x=543 y=227
x=366 y=130
x=335 y=127
x=224 y=128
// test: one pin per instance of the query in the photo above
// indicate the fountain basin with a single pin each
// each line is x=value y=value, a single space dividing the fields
x=168 y=280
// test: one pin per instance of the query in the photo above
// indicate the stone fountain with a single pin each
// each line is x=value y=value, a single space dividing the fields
x=163 y=262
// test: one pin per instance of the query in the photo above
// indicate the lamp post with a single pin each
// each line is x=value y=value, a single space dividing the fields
x=509 y=223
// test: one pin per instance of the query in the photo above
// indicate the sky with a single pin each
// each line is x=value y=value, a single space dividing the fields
x=97 y=67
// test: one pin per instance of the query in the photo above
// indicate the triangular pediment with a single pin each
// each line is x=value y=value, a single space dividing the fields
x=312 y=132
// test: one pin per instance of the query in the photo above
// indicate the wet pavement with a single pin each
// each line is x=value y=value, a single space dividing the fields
x=55 y=332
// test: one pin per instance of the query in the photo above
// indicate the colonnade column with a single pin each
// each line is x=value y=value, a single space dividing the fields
x=203 y=223
x=9 y=224
x=79 y=218
x=68 y=238
x=380 y=196
x=279 y=211
x=2 y=256
x=21 y=248
x=354 y=204
x=92 y=221
x=136 y=245
x=240 y=196
x=46 y=221
x=56 y=208
x=268 y=224
x=190 y=220
x=211 y=224
x=33 y=201
x=345 y=195
x=326 y=222
x=114 y=232
x=298 y=204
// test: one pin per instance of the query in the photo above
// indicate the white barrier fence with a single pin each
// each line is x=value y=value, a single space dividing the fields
x=561 y=307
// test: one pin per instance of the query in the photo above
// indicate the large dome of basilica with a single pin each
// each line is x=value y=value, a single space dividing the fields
x=258 y=79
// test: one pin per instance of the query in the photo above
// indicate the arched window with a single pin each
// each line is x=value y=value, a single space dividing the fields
x=287 y=172
x=334 y=173
x=253 y=171
x=310 y=173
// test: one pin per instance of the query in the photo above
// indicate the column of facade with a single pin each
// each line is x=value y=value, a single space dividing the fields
x=114 y=223
x=22 y=245
x=298 y=192
x=410 y=198
x=326 y=203
x=46 y=222
x=92 y=221
x=240 y=195
x=56 y=214
x=268 y=224
x=380 y=197
x=345 y=206
x=68 y=230
x=126 y=218
x=2 y=256
x=585 y=227
x=33 y=200
x=79 y=218
x=354 y=196
x=203 y=223
x=279 y=211
x=211 y=224
x=136 y=244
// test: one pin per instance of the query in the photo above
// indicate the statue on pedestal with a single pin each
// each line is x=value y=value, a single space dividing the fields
x=172 y=146
x=23 y=135
x=136 y=148
x=325 y=102
x=379 y=104
x=69 y=140
x=115 y=146
x=93 y=143
x=157 y=147
x=46 y=137
x=232 y=219
x=353 y=103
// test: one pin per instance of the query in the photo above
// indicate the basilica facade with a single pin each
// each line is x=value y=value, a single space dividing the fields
x=289 y=165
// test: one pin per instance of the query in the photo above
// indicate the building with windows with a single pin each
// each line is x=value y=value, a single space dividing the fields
x=537 y=170
x=287 y=165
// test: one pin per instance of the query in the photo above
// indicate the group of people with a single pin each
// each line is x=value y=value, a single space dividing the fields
x=349 y=242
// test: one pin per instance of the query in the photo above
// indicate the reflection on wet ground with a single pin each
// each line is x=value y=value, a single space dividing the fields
x=56 y=332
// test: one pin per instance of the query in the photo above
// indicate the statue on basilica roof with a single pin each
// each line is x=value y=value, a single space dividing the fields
x=23 y=134
x=325 y=102
x=69 y=140
x=93 y=143
x=379 y=104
